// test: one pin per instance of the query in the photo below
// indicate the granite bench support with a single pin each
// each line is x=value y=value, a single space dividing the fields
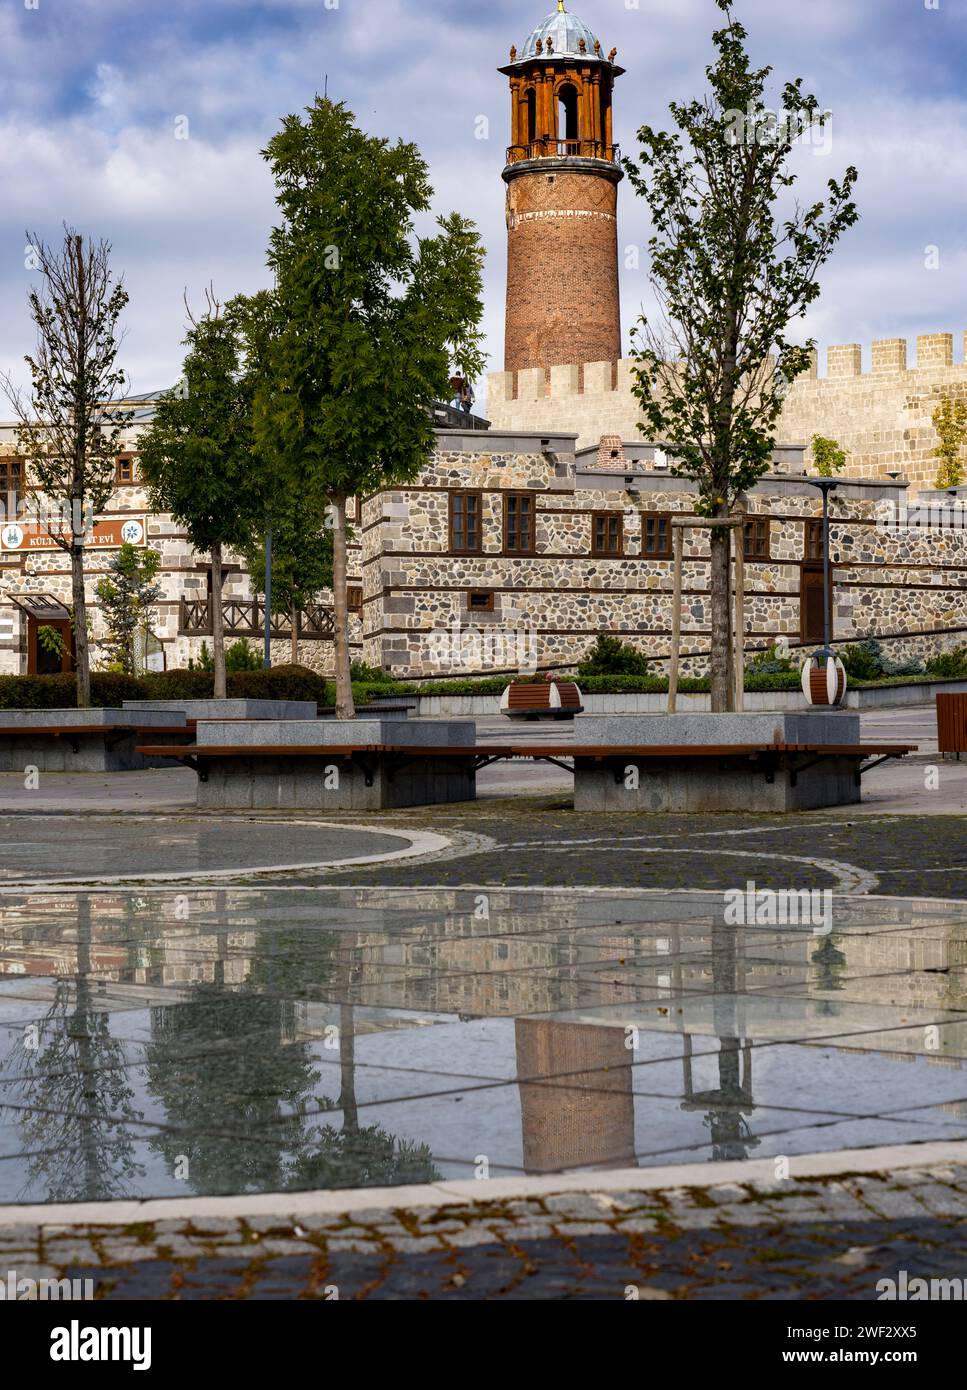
x=94 y=747
x=680 y=775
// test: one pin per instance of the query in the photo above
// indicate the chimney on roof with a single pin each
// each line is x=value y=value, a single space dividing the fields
x=611 y=452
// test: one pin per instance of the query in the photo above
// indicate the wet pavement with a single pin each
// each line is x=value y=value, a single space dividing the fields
x=215 y=1041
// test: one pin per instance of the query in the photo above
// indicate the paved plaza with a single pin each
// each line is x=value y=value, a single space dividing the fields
x=536 y=1036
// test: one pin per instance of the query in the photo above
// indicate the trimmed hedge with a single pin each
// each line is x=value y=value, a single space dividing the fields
x=616 y=685
x=60 y=692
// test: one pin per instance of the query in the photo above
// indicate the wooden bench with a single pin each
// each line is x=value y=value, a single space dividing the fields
x=71 y=733
x=767 y=758
x=952 y=723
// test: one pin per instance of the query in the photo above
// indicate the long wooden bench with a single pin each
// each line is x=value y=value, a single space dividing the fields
x=112 y=733
x=768 y=758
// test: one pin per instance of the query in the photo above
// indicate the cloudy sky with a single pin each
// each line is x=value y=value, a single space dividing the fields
x=97 y=96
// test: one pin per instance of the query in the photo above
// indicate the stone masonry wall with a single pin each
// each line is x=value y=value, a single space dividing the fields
x=889 y=582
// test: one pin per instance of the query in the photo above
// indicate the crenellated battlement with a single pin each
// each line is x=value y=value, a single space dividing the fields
x=887 y=357
x=879 y=403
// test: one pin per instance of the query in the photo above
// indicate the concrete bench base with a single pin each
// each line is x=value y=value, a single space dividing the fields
x=318 y=784
x=85 y=740
x=697 y=784
x=99 y=752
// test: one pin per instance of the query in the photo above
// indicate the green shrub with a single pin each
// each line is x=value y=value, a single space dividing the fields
x=277 y=683
x=949 y=665
x=241 y=657
x=611 y=657
x=866 y=661
x=108 y=690
x=369 y=675
x=769 y=662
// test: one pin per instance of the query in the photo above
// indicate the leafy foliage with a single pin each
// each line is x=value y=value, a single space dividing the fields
x=950 y=422
x=733 y=263
x=828 y=456
x=356 y=339
x=128 y=596
x=866 y=661
x=949 y=665
x=611 y=657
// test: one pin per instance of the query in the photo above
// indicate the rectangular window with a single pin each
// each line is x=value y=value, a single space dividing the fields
x=757 y=539
x=465 y=533
x=124 y=473
x=656 y=536
x=11 y=477
x=519 y=523
x=813 y=541
x=354 y=599
x=480 y=600
x=607 y=533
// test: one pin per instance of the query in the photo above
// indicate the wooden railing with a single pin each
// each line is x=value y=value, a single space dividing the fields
x=245 y=617
x=564 y=149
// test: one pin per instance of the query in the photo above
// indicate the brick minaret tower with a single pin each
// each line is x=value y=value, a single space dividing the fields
x=562 y=180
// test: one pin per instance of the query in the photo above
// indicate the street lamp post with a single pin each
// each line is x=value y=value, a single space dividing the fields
x=267 y=648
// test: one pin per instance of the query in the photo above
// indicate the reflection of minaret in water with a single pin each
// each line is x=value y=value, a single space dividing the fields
x=576 y=1102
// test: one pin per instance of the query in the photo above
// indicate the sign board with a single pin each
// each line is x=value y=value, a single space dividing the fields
x=105 y=535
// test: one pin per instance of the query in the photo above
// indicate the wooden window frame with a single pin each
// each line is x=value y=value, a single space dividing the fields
x=666 y=552
x=487 y=607
x=8 y=466
x=125 y=482
x=607 y=518
x=354 y=598
x=812 y=528
x=477 y=547
x=531 y=500
x=749 y=551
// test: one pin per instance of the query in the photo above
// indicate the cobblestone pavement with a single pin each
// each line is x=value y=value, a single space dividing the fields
x=539 y=842
x=829 y=1238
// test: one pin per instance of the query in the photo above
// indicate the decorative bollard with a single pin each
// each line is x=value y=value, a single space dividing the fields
x=824 y=679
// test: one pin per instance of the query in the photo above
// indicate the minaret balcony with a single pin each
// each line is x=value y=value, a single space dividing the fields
x=564 y=149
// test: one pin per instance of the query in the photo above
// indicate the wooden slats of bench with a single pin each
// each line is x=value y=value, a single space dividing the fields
x=494 y=752
x=69 y=730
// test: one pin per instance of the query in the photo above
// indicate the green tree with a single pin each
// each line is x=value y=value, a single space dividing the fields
x=950 y=422
x=197 y=455
x=365 y=320
x=69 y=428
x=828 y=456
x=128 y=595
x=733 y=262
x=301 y=558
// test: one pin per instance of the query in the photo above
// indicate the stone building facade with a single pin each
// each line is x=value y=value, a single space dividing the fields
x=38 y=569
x=512 y=550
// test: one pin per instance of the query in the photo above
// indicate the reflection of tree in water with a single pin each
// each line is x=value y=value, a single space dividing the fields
x=239 y=1091
x=76 y=1132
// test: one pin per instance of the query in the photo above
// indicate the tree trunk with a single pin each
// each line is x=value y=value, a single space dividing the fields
x=294 y=643
x=81 y=648
x=345 y=709
x=218 y=622
x=721 y=615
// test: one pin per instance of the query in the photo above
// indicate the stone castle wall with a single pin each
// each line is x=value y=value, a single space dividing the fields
x=883 y=415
